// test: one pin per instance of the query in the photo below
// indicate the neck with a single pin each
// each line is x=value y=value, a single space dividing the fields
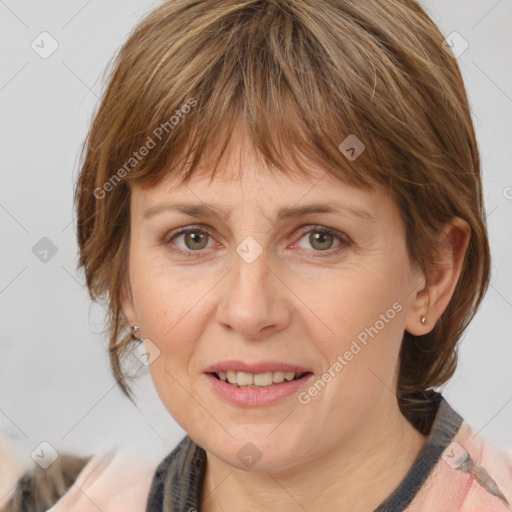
x=355 y=476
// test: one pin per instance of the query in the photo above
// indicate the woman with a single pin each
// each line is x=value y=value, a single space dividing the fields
x=282 y=202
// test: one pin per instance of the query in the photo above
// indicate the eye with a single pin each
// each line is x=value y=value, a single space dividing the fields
x=321 y=238
x=195 y=239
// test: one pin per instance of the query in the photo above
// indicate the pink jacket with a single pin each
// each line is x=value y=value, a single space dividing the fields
x=111 y=482
x=456 y=471
x=471 y=476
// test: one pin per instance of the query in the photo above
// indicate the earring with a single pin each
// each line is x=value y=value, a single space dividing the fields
x=133 y=330
x=423 y=319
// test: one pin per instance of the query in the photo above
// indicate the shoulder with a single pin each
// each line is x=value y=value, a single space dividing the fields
x=112 y=481
x=472 y=474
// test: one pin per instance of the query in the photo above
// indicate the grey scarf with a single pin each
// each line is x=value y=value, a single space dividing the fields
x=178 y=480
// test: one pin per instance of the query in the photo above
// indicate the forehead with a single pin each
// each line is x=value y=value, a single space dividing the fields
x=241 y=180
x=274 y=197
x=242 y=167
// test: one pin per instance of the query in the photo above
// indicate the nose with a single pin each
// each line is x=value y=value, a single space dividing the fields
x=254 y=302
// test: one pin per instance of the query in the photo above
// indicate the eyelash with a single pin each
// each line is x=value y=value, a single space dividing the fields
x=319 y=229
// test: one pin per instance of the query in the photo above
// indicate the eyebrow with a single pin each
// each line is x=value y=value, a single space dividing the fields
x=286 y=212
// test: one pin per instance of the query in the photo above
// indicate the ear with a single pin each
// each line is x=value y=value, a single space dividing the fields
x=127 y=306
x=440 y=283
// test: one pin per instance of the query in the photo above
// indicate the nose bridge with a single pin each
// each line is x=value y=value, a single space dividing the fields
x=250 y=282
x=252 y=302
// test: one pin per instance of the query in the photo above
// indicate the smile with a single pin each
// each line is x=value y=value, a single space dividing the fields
x=256 y=380
x=266 y=393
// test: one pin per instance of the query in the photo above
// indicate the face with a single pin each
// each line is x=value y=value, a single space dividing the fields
x=323 y=293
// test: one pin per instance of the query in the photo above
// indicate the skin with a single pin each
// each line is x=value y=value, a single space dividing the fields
x=299 y=302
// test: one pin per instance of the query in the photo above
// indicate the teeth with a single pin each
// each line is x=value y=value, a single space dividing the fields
x=252 y=380
x=244 y=379
x=278 y=377
x=261 y=379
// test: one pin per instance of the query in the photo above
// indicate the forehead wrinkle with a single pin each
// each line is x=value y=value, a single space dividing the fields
x=285 y=212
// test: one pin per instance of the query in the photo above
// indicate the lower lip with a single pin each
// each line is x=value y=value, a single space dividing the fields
x=254 y=397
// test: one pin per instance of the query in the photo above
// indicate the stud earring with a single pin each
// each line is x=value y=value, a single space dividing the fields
x=423 y=319
x=134 y=329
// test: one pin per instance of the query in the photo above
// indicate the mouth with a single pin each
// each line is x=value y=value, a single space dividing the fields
x=258 y=380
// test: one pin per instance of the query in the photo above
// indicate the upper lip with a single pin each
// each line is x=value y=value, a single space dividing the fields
x=262 y=367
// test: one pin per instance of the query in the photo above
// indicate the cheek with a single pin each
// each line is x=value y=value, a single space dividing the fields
x=165 y=296
x=365 y=317
x=350 y=302
x=169 y=312
x=183 y=404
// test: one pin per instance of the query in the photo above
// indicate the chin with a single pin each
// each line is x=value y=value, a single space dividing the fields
x=256 y=450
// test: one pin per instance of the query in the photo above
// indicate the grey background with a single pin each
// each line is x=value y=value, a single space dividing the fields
x=55 y=383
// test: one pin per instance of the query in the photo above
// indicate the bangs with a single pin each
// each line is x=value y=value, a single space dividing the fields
x=291 y=114
x=280 y=143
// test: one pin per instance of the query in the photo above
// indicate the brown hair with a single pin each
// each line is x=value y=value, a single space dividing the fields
x=38 y=489
x=302 y=75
